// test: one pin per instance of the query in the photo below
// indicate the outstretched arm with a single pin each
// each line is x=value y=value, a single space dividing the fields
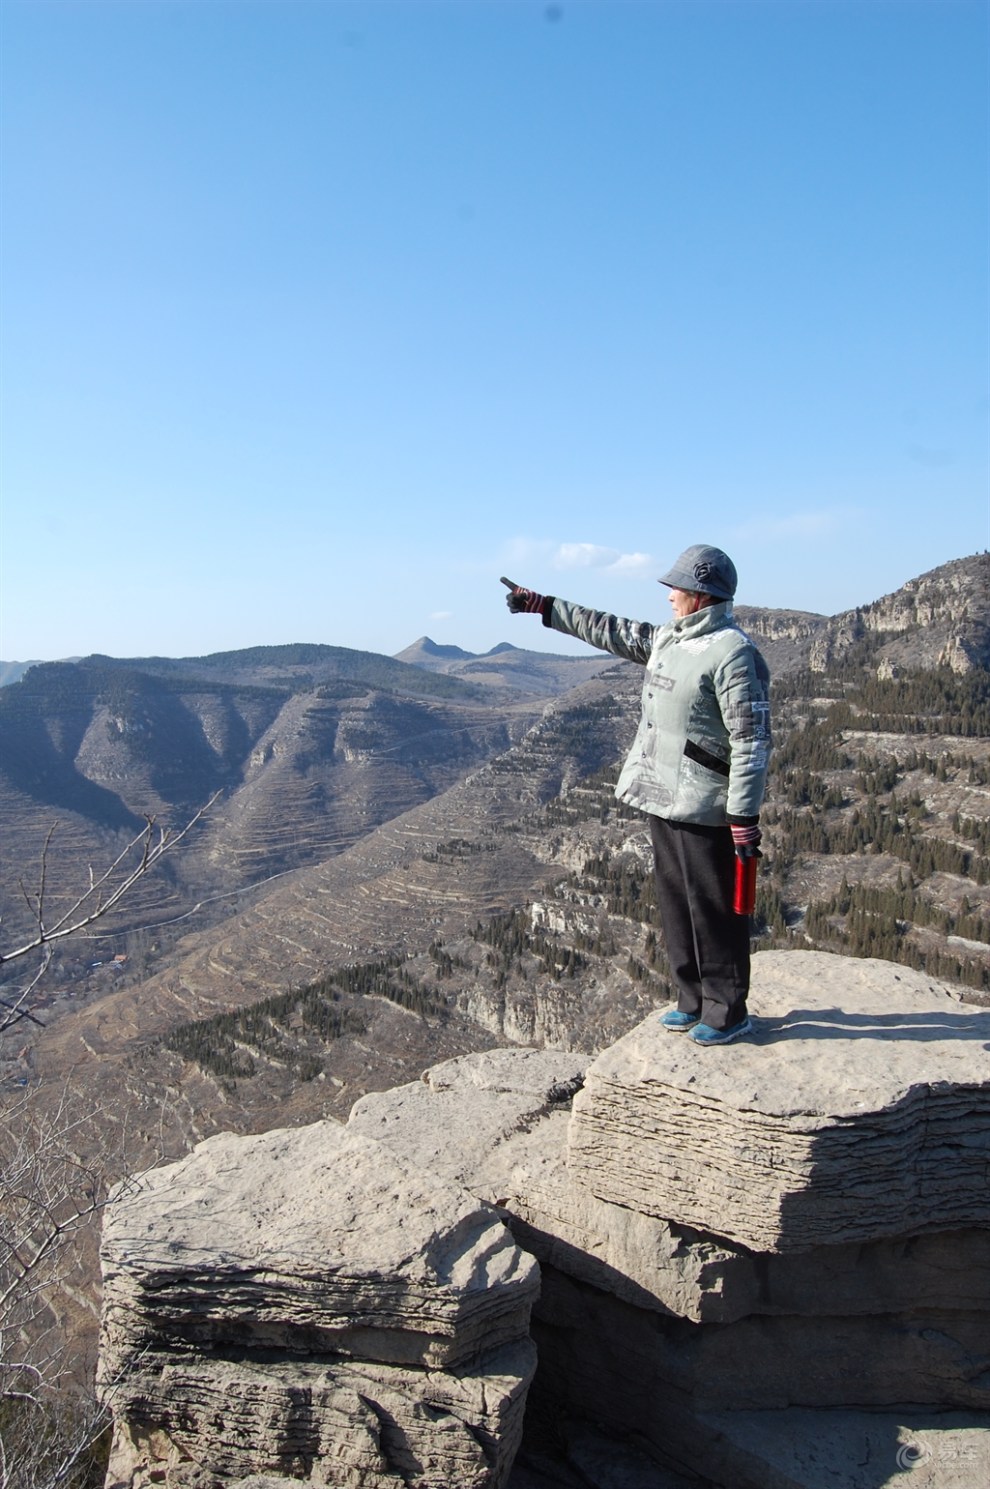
x=632 y=639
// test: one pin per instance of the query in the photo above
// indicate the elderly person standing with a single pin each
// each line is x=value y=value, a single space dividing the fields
x=697 y=768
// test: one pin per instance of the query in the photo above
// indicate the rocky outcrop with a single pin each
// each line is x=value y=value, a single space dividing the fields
x=308 y=1303
x=804 y=1137
x=770 y=626
x=712 y=1291
x=954 y=592
x=833 y=644
x=942 y=618
x=755 y=1366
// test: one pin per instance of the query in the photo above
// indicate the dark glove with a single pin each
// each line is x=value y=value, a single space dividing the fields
x=746 y=840
x=523 y=601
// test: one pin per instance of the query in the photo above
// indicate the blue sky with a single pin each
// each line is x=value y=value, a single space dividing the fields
x=319 y=317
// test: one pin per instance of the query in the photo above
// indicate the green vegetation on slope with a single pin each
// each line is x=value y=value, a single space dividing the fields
x=291 y=1029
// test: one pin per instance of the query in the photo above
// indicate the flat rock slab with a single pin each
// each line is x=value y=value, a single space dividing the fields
x=669 y=1268
x=317 y=1239
x=861 y=1109
x=498 y=1124
x=465 y=1110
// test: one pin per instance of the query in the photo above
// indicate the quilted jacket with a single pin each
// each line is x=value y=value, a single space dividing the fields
x=703 y=743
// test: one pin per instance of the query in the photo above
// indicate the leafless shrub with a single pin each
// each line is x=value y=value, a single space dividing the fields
x=104 y=892
x=58 y=1160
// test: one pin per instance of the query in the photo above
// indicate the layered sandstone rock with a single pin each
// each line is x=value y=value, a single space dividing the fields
x=800 y=1337
x=860 y=1109
x=309 y=1303
x=182 y=1419
x=751 y=1259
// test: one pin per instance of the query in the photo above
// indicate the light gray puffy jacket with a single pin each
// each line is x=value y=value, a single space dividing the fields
x=703 y=744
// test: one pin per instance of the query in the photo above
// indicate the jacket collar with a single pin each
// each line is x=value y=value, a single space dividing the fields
x=711 y=618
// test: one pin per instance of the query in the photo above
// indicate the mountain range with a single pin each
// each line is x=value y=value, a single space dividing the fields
x=314 y=746
x=418 y=857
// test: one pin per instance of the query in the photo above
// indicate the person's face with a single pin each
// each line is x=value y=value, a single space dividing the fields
x=684 y=602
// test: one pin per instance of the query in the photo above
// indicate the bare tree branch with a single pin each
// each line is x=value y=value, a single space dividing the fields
x=49 y=1419
x=103 y=894
x=14 y=1011
x=58 y=1161
x=91 y=904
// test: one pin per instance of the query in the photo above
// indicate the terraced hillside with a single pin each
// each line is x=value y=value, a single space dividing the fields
x=516 y=905
x=312 y=748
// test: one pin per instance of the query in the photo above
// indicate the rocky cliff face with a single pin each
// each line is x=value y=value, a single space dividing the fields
x=950 y=595
x=785 y=637
x=942 y=618
x=309 y=1303
x=751 y=1259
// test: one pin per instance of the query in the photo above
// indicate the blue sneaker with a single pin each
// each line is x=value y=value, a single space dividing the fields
x=677 y=1022
x=705 y=1034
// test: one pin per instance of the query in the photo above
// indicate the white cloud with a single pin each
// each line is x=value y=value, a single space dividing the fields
x=442 y=615
x=593 y=556
x=633 y=564
x=532 y=555
x=583 y=556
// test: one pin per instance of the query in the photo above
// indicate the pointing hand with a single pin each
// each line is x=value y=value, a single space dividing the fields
x=523 y=601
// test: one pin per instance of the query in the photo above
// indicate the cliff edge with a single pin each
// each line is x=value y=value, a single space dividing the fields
x=765 y=1266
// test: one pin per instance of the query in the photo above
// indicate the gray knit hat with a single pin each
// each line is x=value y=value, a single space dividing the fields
x=705 y=570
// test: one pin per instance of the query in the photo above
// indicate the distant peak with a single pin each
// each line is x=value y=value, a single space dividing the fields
x=502 y=646
x=425 y=646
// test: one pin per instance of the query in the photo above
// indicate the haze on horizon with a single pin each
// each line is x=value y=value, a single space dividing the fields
x=319 y=318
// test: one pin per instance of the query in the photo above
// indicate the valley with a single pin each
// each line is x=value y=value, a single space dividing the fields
x=395 y=876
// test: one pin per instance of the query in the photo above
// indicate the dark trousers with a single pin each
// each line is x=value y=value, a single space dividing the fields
x=707 y=942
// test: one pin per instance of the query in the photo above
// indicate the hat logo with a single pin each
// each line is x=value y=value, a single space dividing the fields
x=703 y=571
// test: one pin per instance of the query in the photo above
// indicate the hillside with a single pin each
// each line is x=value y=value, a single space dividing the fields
x=879 y=777
x=464 y=876
x=517 y=904
x=312 y=747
